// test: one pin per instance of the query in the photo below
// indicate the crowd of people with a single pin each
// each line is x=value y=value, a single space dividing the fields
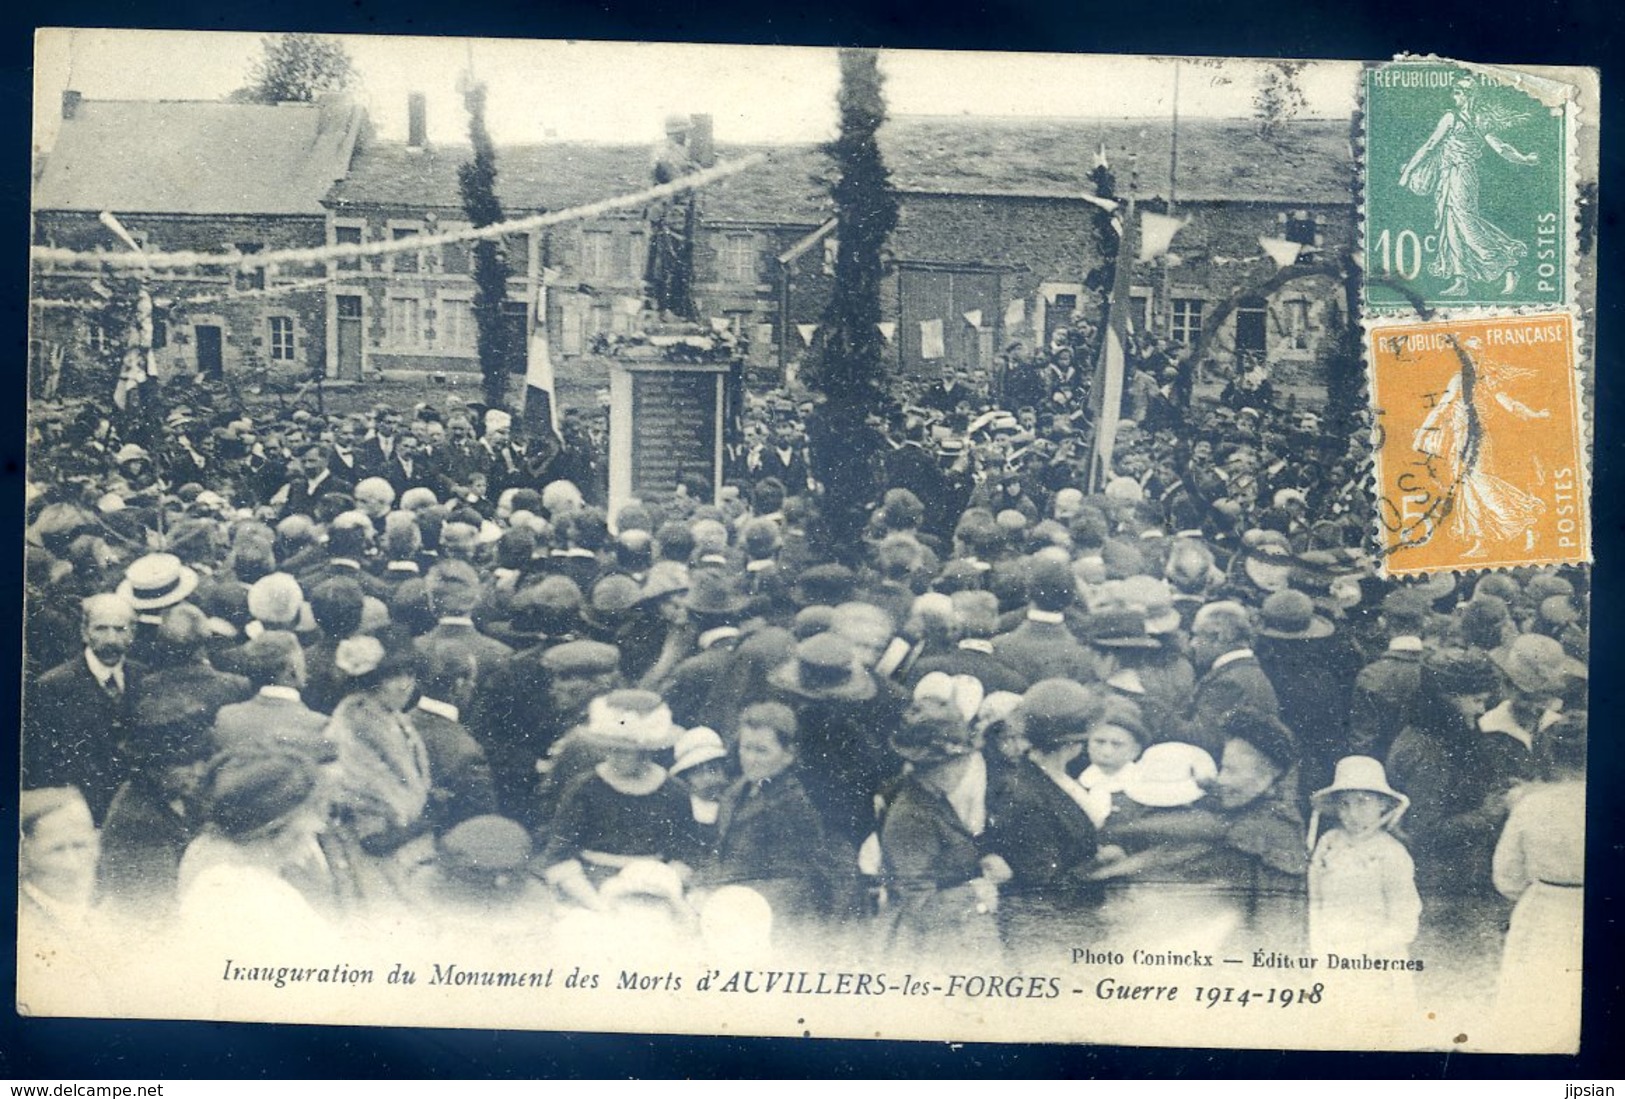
x=293 y=672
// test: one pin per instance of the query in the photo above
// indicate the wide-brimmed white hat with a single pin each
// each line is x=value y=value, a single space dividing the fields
x=1357 y=773
x=631 y=719
x=1360 y=773
x=1170 y=774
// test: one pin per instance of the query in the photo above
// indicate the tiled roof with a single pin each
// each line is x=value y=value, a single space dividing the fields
x=1218 y=158
x=197 y=157
x=559 y=175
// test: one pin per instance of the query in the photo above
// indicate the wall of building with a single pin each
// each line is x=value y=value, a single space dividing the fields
x=185 y=300
x=437 y=334
x=1217 y=254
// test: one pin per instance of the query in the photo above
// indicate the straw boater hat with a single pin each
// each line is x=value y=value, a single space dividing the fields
x=1269 y=563
x=1357 y=773
x=156 y=581
x=632 y=719
x=1290 y=616
x=1169 y=775
x=824 y=667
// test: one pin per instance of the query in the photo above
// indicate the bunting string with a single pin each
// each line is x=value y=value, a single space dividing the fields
x=67 y=257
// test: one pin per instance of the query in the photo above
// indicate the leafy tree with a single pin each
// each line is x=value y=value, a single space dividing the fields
x=1279 y=98
x=297 y=68
x=850 y=373
x=477 y=181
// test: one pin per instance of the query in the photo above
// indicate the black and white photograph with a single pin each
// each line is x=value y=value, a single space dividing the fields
x=834 y=542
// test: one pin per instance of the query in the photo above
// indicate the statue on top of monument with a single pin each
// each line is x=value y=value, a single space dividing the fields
x=672 y=223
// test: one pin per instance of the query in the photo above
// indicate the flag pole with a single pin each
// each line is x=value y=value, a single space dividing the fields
x=1106 y=394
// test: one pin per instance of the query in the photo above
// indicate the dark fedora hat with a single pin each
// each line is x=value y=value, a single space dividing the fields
x=1290 y=616
x=826 y=585
x=824 y=667
x=1120 y=628
x=713 y=591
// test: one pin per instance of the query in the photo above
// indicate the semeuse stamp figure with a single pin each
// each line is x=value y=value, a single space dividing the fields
x=1478 y=455
x=1465 y=190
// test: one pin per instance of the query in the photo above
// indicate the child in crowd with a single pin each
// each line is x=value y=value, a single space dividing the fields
x=1115 y=742
x=1362 y=883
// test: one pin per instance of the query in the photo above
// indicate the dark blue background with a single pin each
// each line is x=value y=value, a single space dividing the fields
x=1574 y=32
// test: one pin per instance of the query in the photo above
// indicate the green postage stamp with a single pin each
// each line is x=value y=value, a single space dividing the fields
x=1466 y=188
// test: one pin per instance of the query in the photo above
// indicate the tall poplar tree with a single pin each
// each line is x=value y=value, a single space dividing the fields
x=850 y=373
x=477 y=181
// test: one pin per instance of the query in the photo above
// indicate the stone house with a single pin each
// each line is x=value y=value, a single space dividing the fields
x=205 y=176
x=413 y=311
x=992 y=223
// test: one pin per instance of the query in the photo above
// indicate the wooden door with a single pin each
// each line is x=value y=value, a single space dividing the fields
x=349 y=337
x=210 y=359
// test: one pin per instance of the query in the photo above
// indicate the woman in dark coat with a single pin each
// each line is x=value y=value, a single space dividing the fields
x=1037 y=821
x=772 y=838
x=624 y=810
x=942 y=889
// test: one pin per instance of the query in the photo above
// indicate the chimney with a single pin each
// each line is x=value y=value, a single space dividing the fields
x=417 y=120
x=70 y=103
x=701 y=146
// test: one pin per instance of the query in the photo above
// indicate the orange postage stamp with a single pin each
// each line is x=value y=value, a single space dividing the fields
x=1479 y=452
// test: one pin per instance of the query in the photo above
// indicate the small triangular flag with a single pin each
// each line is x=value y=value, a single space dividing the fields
x=807 y=332
x=888 y=329
x=974 y=318
x=719 y=324
x=1157 y=234
x=1015 y=314
x=1284 y=252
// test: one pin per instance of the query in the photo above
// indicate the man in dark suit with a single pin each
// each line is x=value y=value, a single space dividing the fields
x=786 y=460
x=976 y=617
x=315 y=479
x=460 y=783
x=948 y=392
x=276 y=715
x=1232 y=679
x=78 y=712
x=413 y=466
x=343 y=459
x=454 y=591
x=373 y=453
x=1042 y=645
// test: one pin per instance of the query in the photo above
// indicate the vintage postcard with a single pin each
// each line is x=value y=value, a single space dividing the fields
x=734 y=540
